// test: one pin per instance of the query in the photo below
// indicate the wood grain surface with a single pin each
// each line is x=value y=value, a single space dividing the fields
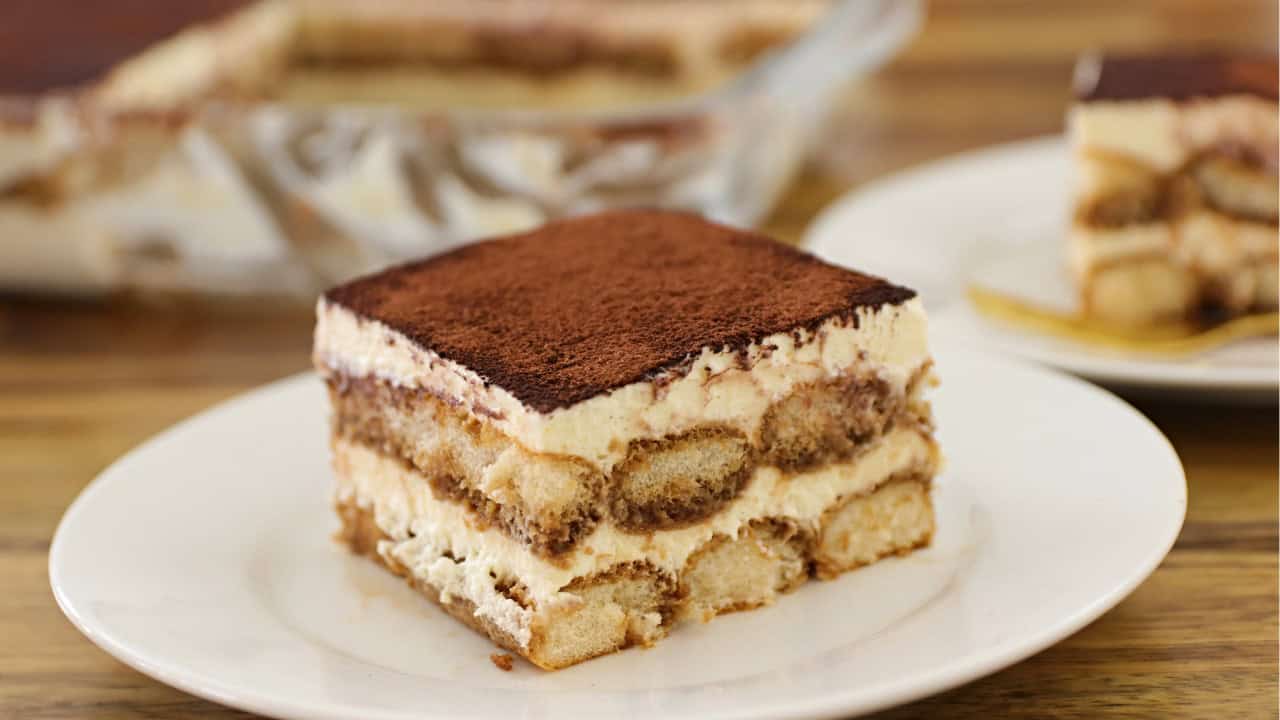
x=82 y=382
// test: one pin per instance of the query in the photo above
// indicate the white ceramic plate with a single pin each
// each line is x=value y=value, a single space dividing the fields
x=997 y=216
x=204 y=559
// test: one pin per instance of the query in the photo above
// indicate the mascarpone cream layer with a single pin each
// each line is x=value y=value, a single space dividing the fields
x=403 y=504
x=1209 y=240
x=718 y=387
x=1164 y=134
x=38 y=146
x=50 y=249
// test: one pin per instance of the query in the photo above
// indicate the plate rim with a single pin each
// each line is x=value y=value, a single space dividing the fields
x=835 y=703
x=821 y=238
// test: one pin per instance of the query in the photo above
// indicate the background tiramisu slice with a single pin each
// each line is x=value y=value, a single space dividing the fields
x=576 y=437
x=279 y=146
x=1176 y=197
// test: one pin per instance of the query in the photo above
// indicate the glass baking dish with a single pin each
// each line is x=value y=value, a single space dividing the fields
x=271 y=197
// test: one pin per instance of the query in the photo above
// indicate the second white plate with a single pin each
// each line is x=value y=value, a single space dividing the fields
x=204 y=559
x=998 y=215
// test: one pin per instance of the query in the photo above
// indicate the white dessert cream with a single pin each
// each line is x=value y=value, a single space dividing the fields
x=425 y=529
x=717 y=388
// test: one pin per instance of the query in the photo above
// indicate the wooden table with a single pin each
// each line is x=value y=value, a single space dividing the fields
x=80 y=383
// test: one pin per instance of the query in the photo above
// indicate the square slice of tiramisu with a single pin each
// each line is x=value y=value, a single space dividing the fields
x=1176 y=194
x=575 y=438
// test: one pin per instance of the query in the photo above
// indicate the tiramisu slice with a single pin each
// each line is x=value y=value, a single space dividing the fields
x=1176 y=197
x=575 y=438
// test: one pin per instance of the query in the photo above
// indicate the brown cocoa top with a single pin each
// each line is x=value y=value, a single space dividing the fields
x=580 y=307
x=1180 y=77
x=62 y=44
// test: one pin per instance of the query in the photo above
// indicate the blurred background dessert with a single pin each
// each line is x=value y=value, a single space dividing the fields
x=1176 y=193
x=280 y=146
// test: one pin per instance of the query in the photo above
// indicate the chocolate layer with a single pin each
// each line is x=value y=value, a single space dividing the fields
x=57 y=44
x=583 y=306
x=1176 y=77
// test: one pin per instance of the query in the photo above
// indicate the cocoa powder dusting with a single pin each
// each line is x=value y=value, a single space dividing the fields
x=1182 y=77
x=583 y=306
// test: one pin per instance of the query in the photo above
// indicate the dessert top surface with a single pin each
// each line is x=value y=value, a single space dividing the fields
x=1177 y=77
x=579 y=307
x=57 y=44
